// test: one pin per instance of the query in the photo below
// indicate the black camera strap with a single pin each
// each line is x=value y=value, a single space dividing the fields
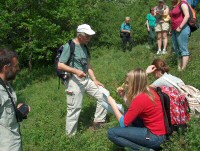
x=4 y=85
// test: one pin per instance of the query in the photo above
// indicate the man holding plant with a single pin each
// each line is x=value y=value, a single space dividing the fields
x=82 y=80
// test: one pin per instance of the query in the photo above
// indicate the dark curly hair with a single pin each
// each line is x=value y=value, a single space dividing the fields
x=6 y=57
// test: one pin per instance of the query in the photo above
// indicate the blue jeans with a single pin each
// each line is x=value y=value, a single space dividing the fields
x=180 y=41
x=135 y=137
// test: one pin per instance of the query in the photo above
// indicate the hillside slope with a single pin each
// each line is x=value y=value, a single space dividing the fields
x=44 y=130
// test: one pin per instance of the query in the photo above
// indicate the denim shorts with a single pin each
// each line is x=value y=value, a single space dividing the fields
x=180 y=41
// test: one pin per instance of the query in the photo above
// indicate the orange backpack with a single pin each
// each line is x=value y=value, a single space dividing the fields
x=192 y=21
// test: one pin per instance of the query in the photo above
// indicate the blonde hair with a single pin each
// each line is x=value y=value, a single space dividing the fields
x=137 y=84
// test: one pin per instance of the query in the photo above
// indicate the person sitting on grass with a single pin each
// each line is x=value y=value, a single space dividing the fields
x=160 y=69
x=143 y=125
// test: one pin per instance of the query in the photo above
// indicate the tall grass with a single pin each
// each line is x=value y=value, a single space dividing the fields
x=44 y=130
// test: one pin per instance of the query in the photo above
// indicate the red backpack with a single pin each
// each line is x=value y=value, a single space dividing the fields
x=179 y=107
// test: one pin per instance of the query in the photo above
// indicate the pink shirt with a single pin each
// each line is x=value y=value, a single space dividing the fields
x=177 y=16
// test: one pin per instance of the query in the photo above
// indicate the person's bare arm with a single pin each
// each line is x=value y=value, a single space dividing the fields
x=185 y=10
x=93 y=77
x=67 y=68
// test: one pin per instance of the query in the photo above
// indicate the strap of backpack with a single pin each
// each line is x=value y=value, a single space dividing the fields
x=171 y=82
x=72 y=49
x=88 y=52
x=159 y=90
x=14 y=106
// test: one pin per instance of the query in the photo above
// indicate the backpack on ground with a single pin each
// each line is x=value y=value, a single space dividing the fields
x=192 y=21
x=191 y=93
x=175 y=107
x=193 y=96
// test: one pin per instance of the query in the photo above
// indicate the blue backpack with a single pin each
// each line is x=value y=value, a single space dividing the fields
x=193 y=3
x=62 y=74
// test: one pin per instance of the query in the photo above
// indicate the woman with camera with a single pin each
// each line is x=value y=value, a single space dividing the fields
x=162 y=27
x=143 y=124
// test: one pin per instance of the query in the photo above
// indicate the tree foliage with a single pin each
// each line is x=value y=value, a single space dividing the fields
x=37 y=28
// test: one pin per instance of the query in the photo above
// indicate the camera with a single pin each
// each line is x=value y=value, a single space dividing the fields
x=83 y=61
x=22 y=112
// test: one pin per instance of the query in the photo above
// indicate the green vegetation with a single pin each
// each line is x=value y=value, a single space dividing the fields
x=44 y=130
x=37 y=28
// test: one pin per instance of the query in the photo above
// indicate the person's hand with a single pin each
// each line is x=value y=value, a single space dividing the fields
x=150 y=69
x=97 y=83
x=121 y=91
x=178 y=29
x=158 y=13
x=170 y=33
x=80 y=74
x=148 y=29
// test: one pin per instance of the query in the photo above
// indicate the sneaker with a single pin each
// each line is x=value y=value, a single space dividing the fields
x=97 y=125
x=159 y=52
x=164 y=52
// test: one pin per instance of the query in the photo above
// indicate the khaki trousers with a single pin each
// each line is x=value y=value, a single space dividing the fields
x=76 y=87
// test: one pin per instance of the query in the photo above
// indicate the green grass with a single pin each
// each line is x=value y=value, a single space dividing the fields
x=44 y=130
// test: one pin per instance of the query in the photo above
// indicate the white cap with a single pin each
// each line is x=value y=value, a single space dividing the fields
x=85 y=28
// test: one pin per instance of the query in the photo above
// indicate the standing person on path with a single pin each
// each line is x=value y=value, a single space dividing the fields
x=143 y=125
x=10 y=135
x=82 y=80
x=151 y=23
x=180 y=32
x=162 y=27
x=126 y=34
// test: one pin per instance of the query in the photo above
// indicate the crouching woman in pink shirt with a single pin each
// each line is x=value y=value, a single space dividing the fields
x=143 y=126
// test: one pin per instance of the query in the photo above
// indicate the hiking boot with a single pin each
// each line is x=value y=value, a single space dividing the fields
x=97 y=125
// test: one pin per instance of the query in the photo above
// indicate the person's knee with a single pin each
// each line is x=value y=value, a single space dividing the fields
x=111 y=133
x=165 y=35
x=159 y=37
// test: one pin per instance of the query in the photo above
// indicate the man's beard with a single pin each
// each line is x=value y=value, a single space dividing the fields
x=10 y=76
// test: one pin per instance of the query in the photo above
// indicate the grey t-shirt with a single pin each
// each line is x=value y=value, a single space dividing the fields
x=162 y=82
x=81 y=58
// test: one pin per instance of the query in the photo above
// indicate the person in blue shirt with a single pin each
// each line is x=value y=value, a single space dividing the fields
x=193 y=3
x=126 y=34
x=151 y=23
